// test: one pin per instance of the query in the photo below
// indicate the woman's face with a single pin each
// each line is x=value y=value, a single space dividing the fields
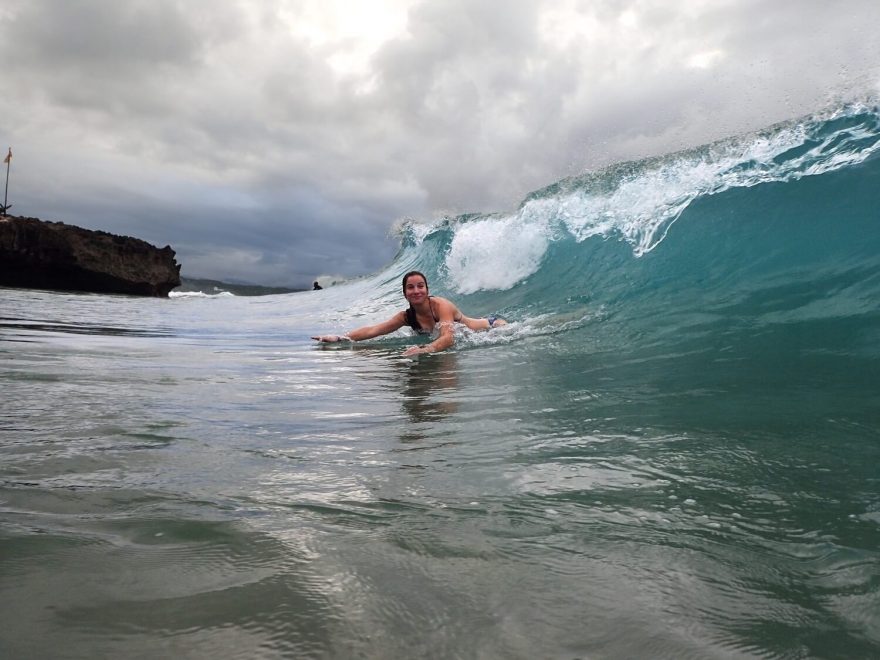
x=415 y=289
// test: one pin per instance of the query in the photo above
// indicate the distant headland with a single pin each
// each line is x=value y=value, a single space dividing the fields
x=36 y=254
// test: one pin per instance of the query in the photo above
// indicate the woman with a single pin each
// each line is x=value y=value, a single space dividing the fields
x=425 y=313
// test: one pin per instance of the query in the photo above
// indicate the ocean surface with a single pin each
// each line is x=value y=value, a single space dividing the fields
x=673 y=450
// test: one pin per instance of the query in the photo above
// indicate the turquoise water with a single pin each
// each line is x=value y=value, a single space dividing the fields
x=671 y=451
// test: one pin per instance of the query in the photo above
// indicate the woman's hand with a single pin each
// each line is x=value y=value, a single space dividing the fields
x=416 y=350
x=329 y=339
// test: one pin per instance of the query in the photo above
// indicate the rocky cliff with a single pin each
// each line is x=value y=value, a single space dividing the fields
x=52 y=255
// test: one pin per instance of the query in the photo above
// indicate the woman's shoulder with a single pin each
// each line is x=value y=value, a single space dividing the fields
x=443 y=304
x=440 y=300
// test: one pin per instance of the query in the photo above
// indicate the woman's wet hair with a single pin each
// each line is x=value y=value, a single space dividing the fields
x=410 y=274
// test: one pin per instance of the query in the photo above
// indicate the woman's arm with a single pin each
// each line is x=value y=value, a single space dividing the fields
x=444 y=341
x=368 y=331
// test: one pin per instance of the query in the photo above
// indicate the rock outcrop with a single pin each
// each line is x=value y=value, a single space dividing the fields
x=52 y=255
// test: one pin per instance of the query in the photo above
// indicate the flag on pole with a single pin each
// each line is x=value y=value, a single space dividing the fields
x=8 y=156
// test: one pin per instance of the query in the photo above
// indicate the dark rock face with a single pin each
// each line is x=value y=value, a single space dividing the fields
x=51 y=255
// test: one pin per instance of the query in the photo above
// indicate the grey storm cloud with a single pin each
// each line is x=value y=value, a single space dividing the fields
x=275 y=141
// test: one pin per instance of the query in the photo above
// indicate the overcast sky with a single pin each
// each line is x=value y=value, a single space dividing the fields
x=273 y=141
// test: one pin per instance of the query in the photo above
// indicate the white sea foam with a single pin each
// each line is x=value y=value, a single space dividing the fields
x=641 y=207
x=200 y=294
x=497 y=252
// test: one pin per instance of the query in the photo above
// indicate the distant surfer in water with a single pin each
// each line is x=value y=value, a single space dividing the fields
x=425 y=314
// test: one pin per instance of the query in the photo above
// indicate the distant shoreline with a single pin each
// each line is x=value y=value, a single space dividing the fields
x=213 y=287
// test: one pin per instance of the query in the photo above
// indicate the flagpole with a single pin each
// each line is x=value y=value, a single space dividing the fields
x=6 y=193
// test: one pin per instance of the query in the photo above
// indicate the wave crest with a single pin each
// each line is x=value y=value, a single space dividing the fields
x=639 y=201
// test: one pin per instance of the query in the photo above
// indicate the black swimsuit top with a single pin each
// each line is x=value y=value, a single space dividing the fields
x=413 y=321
